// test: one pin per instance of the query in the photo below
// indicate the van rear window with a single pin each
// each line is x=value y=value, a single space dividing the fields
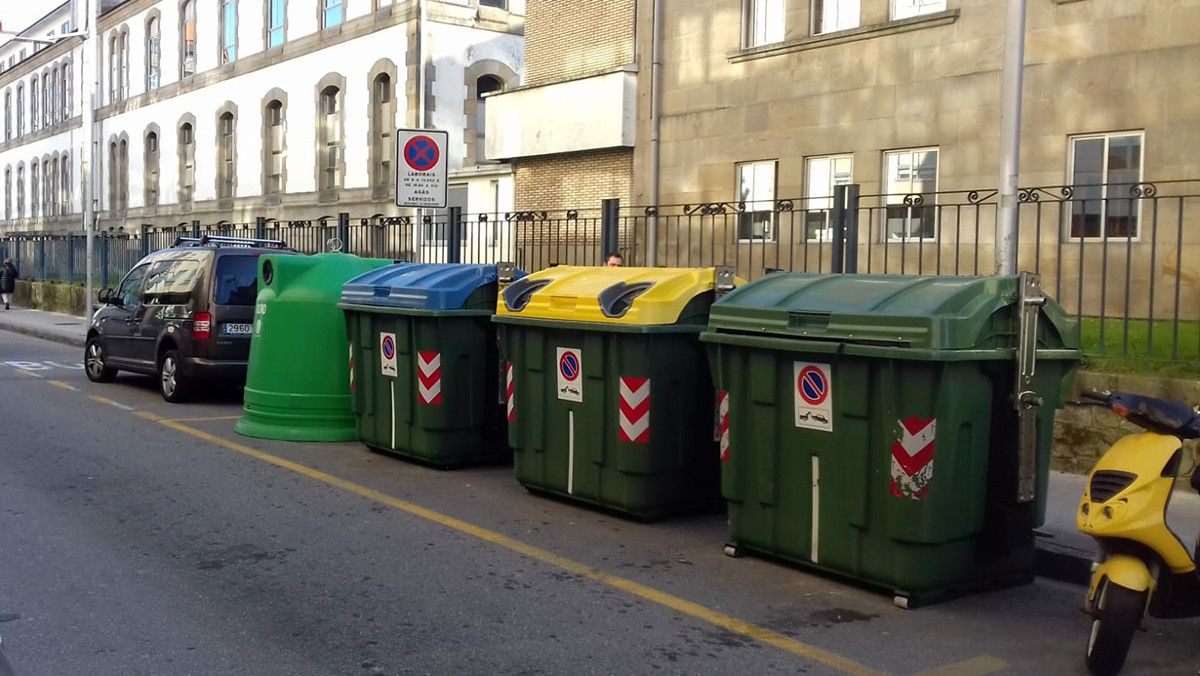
x=237 y=280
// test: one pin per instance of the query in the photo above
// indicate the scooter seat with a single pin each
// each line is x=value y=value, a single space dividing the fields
x=1163 y=416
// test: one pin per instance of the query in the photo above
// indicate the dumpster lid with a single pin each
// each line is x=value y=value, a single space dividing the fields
x=612 y=295
x=935 y=313
x=421 y=286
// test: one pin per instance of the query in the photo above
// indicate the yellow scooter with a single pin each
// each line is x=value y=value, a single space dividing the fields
x=1142 y=568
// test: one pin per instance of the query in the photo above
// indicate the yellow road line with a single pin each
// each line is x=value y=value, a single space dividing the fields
x=202 y=419
x=976 y=666
x=28 y=373
x=732 y=624
x=64 y=386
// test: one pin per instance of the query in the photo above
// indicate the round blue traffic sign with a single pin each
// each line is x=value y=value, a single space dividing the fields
x=389 y=347
x=568 y=365
x=421 y=153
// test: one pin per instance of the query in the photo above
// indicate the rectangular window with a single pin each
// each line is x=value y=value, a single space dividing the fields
x=756 y=192
x=903 y=9
x=276 y=21
x=229 y=31
x=34 y=181
x=225 y=156
x=333 y=14
x=187 y=40
x=1104 y=169
x=274 y=148
x=910 y=187
x=153 y=55
x=498 y=4
x=763 y=21
x=835 y=15
x=822 y=174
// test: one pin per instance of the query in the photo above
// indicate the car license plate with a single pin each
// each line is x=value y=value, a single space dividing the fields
x=235 y=329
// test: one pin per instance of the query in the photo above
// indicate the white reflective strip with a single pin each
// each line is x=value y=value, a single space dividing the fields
x=635 y=398
x=570 y=452
x=816 y=509
x=428 y=368
x=393 y=415
x=428 y=394
x=632 y=429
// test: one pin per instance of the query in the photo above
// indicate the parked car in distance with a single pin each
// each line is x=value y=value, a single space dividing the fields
x=183 y=314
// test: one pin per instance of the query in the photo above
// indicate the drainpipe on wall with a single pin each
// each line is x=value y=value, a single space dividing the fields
x=655 y=90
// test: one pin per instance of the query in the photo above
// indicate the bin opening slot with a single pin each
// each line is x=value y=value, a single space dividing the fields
x=828 y=338
x=616 y=300
x=517 y=294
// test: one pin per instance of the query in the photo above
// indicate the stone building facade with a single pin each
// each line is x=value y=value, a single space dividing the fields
x=226 y=110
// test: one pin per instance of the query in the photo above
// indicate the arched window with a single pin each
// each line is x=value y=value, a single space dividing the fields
x=187 y=39
x=50 y=186
x=114 y=68
x=123 y=179
x=383 y=118
x=153 y=53
x=34 y=94
x=276 y=23
x=65 y=184
x=333 y=13
x=187 y=162
x=488 y=84
x=8 y=117
x=124 y=54
x=273 y=148
x=34 y=187
x=47 y=112
x=7 y=193
x=329 y=138
x=226 y=160
x=229 y=31
x=150 y=168
x=65 y=88
x=21 y=190
x=20 y=109
x=114 y=175
x=55 y=110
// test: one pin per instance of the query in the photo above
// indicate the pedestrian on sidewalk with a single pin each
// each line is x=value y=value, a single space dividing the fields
x=8 y=281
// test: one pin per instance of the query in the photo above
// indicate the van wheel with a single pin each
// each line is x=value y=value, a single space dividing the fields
x=93 y=362
x=1116 y=617
x=171 y=382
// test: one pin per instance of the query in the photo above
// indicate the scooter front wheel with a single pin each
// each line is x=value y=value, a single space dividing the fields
x=1116 y=616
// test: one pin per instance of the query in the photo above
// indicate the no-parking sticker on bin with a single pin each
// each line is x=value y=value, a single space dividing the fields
x=570 y=378
x=814 y=396
x=387 y=354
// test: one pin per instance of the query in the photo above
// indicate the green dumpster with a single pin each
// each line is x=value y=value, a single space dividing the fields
x=296 y=377
x=867 y=424
x=426 y=375
x=610 y=401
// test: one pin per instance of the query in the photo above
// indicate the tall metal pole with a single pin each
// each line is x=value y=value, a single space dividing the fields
x=86 y=14
x=656 y=28
x=1010 y=138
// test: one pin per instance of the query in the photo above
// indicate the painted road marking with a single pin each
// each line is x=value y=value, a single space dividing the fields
x=695 y=610
x=61 y=385
x=212 y=418
x=109 y=402
x=978 y=666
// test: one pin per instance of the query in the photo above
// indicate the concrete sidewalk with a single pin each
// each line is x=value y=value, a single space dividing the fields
x=60 y=328
x=1063 y=552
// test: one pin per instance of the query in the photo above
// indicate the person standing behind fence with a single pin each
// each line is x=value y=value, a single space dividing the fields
x=8 y=281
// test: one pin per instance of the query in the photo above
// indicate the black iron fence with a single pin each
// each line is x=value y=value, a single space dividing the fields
x=1124 y=258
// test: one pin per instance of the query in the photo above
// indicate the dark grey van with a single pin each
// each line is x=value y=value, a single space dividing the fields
x=183 y=314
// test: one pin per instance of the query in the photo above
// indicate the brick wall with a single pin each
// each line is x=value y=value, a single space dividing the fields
x=573 y=181
x=566 y=39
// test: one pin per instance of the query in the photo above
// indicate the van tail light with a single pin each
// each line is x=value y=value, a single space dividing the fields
x=202 y=326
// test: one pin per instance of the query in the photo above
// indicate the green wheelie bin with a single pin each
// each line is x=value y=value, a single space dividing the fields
x=893 y=430
x=609 y=397
x=425 y=375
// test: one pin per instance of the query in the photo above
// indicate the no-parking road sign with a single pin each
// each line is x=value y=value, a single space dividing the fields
x=421 y=168
x=814 y=396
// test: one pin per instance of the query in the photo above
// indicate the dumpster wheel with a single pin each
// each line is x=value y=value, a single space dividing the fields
x=733 y=551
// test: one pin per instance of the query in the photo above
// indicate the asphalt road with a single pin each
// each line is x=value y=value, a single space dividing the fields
x=138 y=537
